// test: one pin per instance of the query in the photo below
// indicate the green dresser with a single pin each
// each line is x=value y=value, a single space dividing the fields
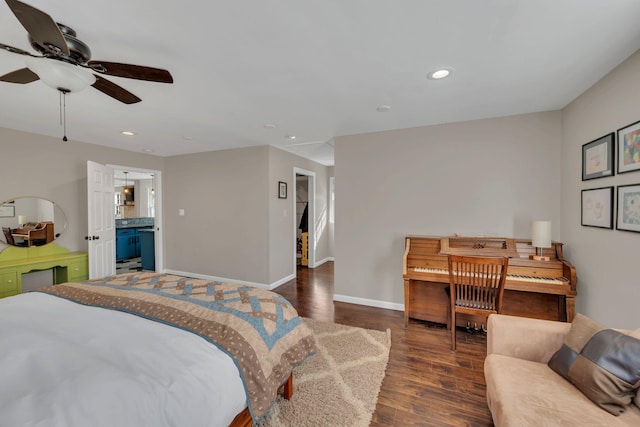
x=14 y=262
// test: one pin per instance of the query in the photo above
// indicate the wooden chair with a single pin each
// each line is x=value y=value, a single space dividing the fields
x=8 y=236
x=476 y=285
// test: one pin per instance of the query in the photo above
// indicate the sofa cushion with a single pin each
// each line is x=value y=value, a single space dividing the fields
x=604 y=364
x=636 y=399
x=526 y=393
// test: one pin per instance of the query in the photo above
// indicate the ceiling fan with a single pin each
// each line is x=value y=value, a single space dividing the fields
x=64 y=62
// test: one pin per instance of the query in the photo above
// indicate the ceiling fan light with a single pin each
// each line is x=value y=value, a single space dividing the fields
x=61 y=75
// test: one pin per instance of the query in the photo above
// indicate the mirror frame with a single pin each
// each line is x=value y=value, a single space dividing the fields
x=12 y=217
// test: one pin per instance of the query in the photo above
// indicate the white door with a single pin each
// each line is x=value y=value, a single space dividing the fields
x=101 y=223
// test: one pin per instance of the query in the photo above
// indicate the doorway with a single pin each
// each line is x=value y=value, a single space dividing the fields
x=137 y=217
x=102 y=206
x=304 y=194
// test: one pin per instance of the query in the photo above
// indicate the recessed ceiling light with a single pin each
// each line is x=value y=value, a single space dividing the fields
x=148 y=150
x=440 y=73
x=127 y=132
x=383 y=108
x=291 y=137
x=269 y=126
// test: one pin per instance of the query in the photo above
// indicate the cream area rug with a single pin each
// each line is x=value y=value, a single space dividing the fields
x=339 y=385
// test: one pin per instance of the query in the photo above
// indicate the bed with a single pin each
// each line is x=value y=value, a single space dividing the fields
x=169 y=351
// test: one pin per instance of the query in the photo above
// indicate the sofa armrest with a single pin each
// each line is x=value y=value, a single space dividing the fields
x=524 y=338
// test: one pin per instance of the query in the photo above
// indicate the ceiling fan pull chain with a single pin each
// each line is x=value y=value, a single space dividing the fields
x=63 y=114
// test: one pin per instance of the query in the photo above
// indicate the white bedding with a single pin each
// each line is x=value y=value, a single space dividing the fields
x=65 y=365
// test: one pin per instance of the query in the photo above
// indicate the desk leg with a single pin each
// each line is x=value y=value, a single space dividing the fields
x=407 y=296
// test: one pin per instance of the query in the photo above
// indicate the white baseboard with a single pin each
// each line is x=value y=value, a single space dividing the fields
x=282 y=281
x=369 y=302
x=319 y=263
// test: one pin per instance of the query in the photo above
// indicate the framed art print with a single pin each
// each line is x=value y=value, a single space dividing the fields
x=597 y=158
x=282 y=190
x=628 y=218
x=597 y=207
x=7 y=211
x=629 y=148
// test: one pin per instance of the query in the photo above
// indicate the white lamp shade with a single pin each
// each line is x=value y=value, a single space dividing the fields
x=22 y=219
x=541 y=234
x=61 y=75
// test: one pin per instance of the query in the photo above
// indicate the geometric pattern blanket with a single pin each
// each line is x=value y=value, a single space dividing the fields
x=259 y=329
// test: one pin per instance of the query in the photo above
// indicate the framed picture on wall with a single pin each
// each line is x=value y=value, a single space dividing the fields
x=282 y=190
x=597 y=207
x=7 y=211
x=628 y=218
x=597 y=158
x=629 y=148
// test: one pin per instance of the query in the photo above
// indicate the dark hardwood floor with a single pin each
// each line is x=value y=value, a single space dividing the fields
x=426 y=384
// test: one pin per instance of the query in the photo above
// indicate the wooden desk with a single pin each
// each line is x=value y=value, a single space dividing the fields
x=14 y=262
x=42 y=232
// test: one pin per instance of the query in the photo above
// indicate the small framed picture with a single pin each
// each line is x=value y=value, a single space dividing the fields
x=282 y=190
x=597 y=158
x=629 y=148
x=597 y=207
x=7 y=211
x=628 y=218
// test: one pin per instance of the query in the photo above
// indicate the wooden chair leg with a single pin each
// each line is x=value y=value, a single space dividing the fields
x=452 y=322
x=448 y=317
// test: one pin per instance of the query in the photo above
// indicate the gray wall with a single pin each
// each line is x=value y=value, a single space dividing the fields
x=41 y=166
x=482 y=177
x=605 y=260
x=235 y=226
x=282 y=212
x=486 y=177
x=225 y=229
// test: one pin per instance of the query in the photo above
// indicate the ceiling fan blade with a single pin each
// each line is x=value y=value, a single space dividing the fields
x=21 y=76
x=15 y=50
x=42 y=28
x=115 y=91
x=129 y=71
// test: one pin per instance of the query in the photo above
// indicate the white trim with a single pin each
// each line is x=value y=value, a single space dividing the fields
x=281 y=281
x=369 y=302
x=158 y=220
x=332 y=202
x=237 y=282
x=322 y=261
x=311 y=212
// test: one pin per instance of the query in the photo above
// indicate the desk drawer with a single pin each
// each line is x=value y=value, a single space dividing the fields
x=78 y=271
x=8 y=282
x=8 y=294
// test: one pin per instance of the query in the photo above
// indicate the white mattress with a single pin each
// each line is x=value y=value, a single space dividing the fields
x=65 y=364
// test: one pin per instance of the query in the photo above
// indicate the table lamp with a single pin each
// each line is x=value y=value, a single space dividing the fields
x=22 y=220
x=540 y=238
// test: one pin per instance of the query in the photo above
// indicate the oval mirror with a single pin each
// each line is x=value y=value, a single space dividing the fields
x=31 y=221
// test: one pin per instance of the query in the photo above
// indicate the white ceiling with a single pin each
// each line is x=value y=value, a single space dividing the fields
x=316 y=69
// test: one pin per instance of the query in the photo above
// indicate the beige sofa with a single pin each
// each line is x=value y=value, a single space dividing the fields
x=523 y=391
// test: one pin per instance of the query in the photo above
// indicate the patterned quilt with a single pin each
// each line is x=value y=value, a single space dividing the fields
x=259 y=329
